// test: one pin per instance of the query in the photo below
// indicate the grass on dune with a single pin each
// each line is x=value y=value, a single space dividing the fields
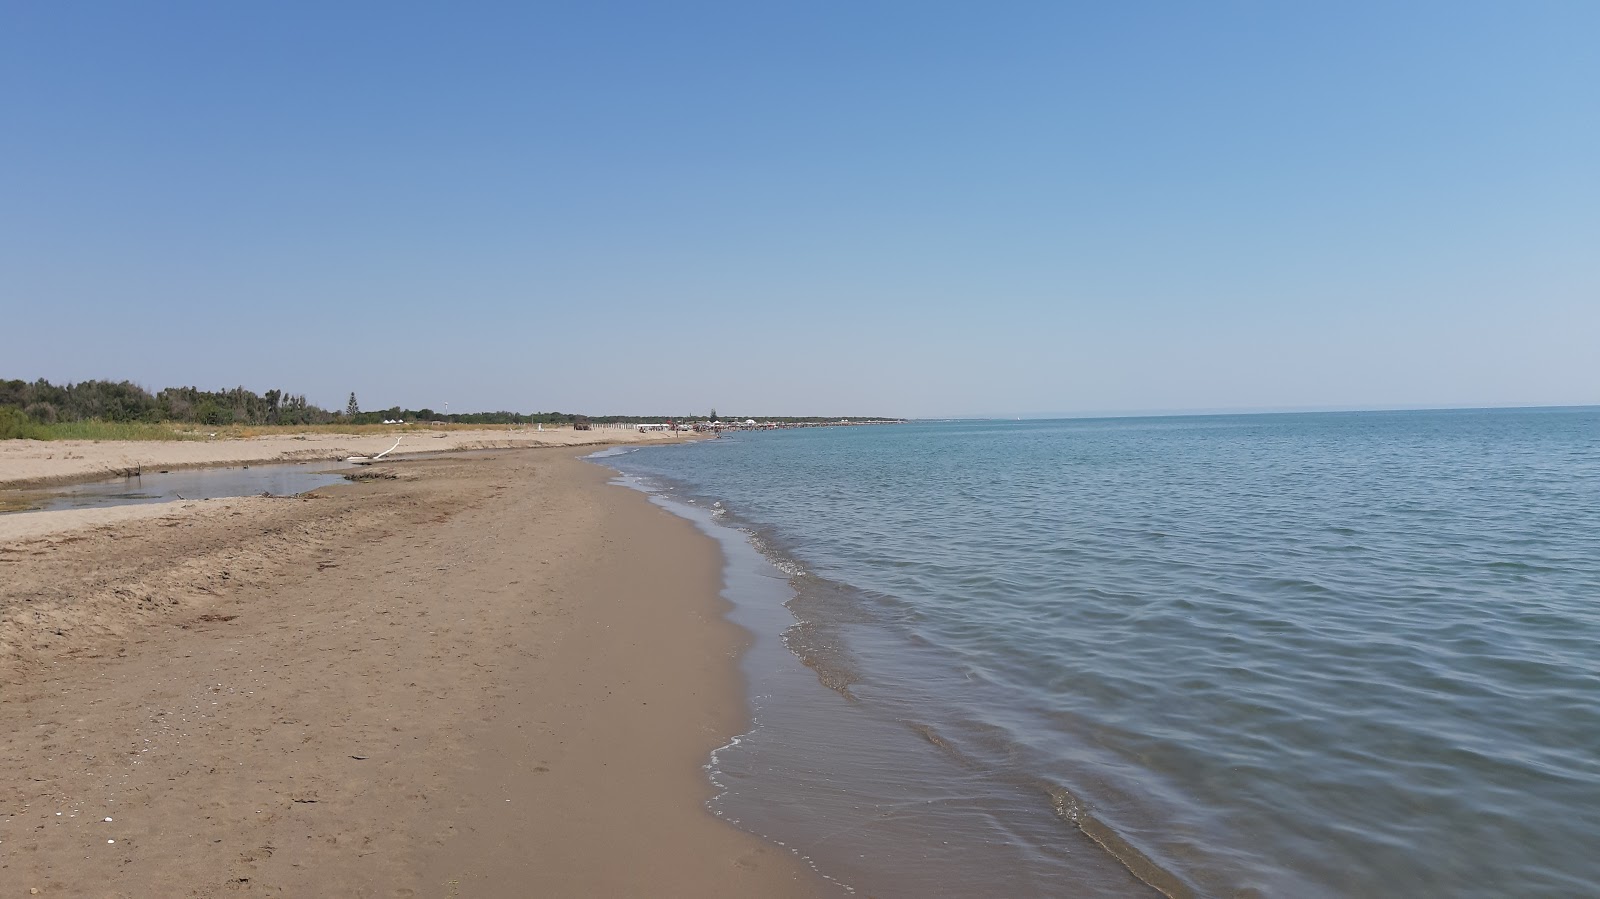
x=14 y=425
x=240 y=431
x=17 y=426
x=104 y=430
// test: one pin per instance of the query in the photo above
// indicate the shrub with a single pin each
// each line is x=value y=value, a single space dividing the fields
x=43 y=413
x=16 y=425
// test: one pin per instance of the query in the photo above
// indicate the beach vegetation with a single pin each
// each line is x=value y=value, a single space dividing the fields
x=16 y=424
x=123 y=402
x=122 y=410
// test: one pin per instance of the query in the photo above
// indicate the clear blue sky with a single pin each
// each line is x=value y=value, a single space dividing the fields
x=906 y=208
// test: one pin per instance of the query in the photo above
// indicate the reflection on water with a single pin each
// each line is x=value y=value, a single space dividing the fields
x=162 y=487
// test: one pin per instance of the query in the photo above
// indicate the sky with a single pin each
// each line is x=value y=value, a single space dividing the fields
x=869 y=208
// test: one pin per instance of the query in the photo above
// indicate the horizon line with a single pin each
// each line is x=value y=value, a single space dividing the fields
x=1225 y=411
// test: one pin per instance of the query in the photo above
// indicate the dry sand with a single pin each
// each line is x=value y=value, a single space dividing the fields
x=33 y=462
x=37 y=524
x=493 y=676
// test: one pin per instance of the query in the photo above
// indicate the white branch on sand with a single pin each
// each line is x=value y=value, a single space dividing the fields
x=365 y=460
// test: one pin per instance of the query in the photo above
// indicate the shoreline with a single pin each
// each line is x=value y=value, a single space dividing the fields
x=339 y=694
x=892 y=780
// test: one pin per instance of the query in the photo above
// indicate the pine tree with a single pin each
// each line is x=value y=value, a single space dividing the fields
x=352 y=408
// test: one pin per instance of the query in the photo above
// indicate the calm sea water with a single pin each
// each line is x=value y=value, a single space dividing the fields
x=1270 y=655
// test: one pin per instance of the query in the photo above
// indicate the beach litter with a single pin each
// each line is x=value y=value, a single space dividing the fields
x=368 y=460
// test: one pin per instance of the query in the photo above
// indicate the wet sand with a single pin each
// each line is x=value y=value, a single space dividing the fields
x=489 y=676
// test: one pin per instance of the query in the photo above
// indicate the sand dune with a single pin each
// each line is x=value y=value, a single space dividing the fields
x=35 y=462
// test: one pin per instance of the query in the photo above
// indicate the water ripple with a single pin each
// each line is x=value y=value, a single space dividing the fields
x=1315 y=655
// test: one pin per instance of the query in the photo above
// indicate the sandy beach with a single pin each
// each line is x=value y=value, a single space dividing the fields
x=28 y=463
x=494 y=675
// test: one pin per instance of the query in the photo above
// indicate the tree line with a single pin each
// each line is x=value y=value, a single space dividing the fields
x=123 y=401
x=48 y=403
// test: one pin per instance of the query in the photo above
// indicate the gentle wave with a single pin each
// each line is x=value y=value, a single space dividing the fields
x=1315 y=655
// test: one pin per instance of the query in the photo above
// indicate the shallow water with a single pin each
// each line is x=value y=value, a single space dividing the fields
x=193 y=483
x=1307 y=655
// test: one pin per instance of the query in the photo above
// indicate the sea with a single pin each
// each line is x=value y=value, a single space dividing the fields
x=1297 y=655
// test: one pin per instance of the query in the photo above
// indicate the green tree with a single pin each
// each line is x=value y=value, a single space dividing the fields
x=352 y=407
